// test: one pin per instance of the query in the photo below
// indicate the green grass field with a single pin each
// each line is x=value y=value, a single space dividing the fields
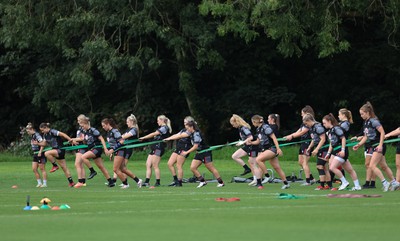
x=168 y=213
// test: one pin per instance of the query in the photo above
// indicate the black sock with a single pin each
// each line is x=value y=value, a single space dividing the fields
x=372 y=184
x=80 y=180
x=157 y=181
x=311 y=177
x=220 y=180
x=180 y=181
x=308 y=180
x=329 y=184
x=110 y=180
x=322 y=184
x=70 y=180
x=136 y=179
x=246 y=167
x=285 y=182
x=147 y=180
x=201 y=179
x=54 y=164
x=259 y=182
x=266 y=174
x=92 y=170
x=83 y=180
x=125 y=182
x=175 y=178
x=367 y=183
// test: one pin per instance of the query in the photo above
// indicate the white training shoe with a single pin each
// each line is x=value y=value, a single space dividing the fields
x=394 y=186
x=386 y=186
x=305 y=184
x=286 y=186
x=139 y=183
x=267 y=179
x=253 y=183
x=201 y=184
x=121 y=185
x=358 y=188
x=43 y=185
x=125 y=186
x=39 y=185
x=221 y=184
x=343 y=186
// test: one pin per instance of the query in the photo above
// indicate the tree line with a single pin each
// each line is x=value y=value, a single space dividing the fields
x=208 y=59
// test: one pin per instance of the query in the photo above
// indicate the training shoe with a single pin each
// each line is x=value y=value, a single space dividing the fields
x=71 y=184
x=172 y=184
x=394 y=186
x=139 y=183
x=120 y=185
x=312 y=181
x=253 y=183
x=286 y=186
x=178 y=184
x=343 y=186
x=39 y=185
x=78 y=185
x=356 y=188
x=201 y=184
x=157 y=184
x=221 y=184
x=145 y=184
x=267 y=179
x=125 y=186
x=43 y=185
x=92 y=174
x=334 y=189
x=54 y=168
x=260 y=187
x=246 y=171
x=305 y=184
x=319 y=188
x=111 y=184
x=386 y=186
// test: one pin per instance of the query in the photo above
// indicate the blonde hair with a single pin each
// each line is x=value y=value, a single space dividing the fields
x=133 y=119
x=29 y=126
x=368 y=108
x=83 y=118
x=308 y=117
x=188 y=119
x=347 y=113
x=166 y=121
x=239 y=120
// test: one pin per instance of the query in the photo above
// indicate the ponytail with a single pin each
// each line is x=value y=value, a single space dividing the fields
x=348 y=114
x=331 y=118
x=166 y=121
x=277 y=119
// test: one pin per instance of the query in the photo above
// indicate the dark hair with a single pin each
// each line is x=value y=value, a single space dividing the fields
x=277 y=119
x=193 y=124
x=109 y=121
x=44 y=125
x=308 y=109
x=257 y=118
x=330 y=117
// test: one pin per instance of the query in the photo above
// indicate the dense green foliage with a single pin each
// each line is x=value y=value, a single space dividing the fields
x=204 y=58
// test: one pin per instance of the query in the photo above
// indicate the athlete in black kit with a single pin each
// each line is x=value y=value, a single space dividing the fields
x=182 y=144
x=157 y=150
